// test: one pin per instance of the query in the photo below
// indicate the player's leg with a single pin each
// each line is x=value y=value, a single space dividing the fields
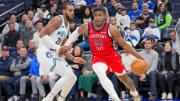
x=66 y=81
x=128 y=82
x=100 y=70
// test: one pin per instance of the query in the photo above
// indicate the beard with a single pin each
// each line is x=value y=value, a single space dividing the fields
x=68 y=18
x=134 y=9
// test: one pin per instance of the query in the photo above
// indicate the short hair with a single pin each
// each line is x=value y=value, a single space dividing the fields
x=133 y=22
x=10 y=22
x=38 y=22
x=170 y=43
x=145 y=5
x=148 y=39
x=172 y=31
x=134 y=2
x=152 y=39
x=66 y=4
x=99 y=8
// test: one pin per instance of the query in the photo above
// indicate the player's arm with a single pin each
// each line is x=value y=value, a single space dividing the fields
x=51 y=27
x=81 y=30
x=116 y=35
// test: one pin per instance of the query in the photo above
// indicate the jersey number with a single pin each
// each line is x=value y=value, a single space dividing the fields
x=58 y=41
x=98 y=42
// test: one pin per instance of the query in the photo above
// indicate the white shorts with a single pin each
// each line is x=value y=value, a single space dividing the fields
x=50 y=62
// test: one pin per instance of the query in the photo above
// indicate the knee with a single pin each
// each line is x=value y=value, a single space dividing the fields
x=33 y=78
x=24 y=78
x=71 y=76
x=152 y=75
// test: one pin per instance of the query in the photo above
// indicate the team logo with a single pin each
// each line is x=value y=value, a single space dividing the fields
x=49 y=54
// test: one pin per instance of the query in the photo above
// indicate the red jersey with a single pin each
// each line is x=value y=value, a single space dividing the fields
x=100 y=41
x=103 y=50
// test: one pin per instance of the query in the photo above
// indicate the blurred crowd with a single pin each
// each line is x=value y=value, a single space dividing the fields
x=146 y=26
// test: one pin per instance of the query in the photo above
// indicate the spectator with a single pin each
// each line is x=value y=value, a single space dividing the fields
x=142 y=20
x=87 y=15
x=31 y=78
x=151 y=30
x=12 y=36
x=149 y=3
x=111 y=9
x=113 y=21
x=5 y=62
x=43 y=19
x=22 y=26
x=169 y=66
x=6 y=27
x=19 y=67
x=41 y=9
x=31 y=49
x=45 y=79
x=30 y=15
x=77 y=52
x=132 y=35
x=151 y=58
x=123 y=19
x=163 y=18
x=173 y=39
x=79 y=10
x=156 y=46
x=135 y=12
x=53 y=12
x=168 y=5
x=27 y=34
x=39 y=26
x=87 y=80
x=15 y=53
x=51 y=4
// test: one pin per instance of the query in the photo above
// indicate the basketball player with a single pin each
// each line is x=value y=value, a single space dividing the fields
x=51 y=38
x=105 y=58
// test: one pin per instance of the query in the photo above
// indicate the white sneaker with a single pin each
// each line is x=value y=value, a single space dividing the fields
x=115 y=98
x=16 y=98
x=170 y=96
x=47 y=99
x=11 y=98
x=164 y=95
x=61 y=99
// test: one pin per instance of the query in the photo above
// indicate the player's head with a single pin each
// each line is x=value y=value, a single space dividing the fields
x=68 y=10
x=99 y=14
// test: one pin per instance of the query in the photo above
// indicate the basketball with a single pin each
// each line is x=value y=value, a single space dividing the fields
x=139 y=66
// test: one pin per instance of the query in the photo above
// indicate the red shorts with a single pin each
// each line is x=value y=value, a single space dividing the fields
x=113 y=62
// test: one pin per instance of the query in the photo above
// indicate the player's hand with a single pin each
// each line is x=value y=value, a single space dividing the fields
x=79 y=60
x=142 y=77
x=62 y=50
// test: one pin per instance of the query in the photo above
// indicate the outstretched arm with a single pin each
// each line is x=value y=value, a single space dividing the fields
x=116 y=35
x=81 y=30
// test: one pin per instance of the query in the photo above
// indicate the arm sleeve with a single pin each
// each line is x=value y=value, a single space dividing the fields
x=31 y=68
x=168 y=18
x=72 y=37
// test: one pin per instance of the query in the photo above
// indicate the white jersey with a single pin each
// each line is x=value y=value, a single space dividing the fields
x=48 y=57
x=58 y=35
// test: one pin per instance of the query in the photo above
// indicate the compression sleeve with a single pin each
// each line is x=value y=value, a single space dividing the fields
x=48 y=43
x=72 y=37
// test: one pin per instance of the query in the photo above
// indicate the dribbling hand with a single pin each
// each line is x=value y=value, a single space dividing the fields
x=79 y=60
x=62 y=50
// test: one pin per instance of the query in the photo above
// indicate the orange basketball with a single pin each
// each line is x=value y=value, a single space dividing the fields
x=139 y=66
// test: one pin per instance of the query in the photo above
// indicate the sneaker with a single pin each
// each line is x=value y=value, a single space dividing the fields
x=16 y=98
x=11 y=98
x=170 y=96
x=152 y=97
x=164 y=95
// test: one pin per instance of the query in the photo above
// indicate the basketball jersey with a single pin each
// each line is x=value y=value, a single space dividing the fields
x=60 y=33
x=101 y=41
